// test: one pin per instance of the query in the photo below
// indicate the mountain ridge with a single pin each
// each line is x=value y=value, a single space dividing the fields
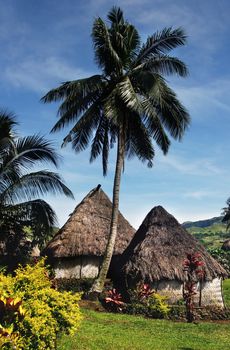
x=203 y=223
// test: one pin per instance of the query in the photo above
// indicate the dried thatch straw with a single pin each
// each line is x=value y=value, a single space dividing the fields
x=87 y=229
x=159 y=247
x=226 y=245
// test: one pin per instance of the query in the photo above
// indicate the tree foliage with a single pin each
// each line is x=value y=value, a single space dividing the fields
x=21 y=185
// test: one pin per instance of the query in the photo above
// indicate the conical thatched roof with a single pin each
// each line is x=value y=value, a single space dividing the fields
x=159 y=247
x=226 y=245
x=87 y=229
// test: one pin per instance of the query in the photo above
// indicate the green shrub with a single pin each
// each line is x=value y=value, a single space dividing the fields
x=222 y=256
x=74 y=284
x=47 y=311
x=155 y=307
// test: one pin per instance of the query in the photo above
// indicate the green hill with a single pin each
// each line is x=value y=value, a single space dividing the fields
x=211 y=233
x=203 y=223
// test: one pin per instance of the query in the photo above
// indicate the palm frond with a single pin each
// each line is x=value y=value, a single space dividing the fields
x=100 y=144
x=33 y=185
x=172 y=114
x=81 y=133
x=138 y=141
x=30 y=150
x=105 y=55
x=72 y=88
x=160 y=43
x=154 y=126
x=128 y=95
x=115 y=15
x=7 y=133
x=165 y=65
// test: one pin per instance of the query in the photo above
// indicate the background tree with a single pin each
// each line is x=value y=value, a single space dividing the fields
x=129 y=103
x=20 y=188
x=226 y=213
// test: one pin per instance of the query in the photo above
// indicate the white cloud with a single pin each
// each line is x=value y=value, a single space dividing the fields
x=199 y=194
x=40 y=75
x=199 y=167
x=209 y=96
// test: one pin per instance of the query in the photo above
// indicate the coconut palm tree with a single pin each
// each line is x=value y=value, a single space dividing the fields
x=20 y=188
x=129 y=103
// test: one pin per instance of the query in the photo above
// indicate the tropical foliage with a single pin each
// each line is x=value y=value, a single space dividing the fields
x=129 y=103
x=33 y=313
x=226 y=213
x=194 y=269
x=20 y=187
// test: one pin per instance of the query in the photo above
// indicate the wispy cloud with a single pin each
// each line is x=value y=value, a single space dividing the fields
x=41 y=75
x=199 y=167
x=199 y=194
x=209 y=96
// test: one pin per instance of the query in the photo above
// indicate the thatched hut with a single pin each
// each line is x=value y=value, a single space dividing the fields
x=77 y=249
x=226 y=245
x=156 y=254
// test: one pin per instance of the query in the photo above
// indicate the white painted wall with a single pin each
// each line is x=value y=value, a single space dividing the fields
x=78 y=267
x=211 y=291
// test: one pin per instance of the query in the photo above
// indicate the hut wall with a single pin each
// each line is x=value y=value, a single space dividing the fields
x=172 y=289
x=77 y=267
x=211 y=291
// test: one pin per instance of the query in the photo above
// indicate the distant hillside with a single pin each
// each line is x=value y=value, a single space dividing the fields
x=203 y=223
x=211 y=232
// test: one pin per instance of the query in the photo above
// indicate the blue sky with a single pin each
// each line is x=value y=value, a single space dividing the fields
x=46 y=42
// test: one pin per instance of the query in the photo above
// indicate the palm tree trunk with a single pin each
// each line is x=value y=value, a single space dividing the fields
x=100 y=281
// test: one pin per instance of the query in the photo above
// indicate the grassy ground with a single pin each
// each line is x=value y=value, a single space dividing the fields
x=100 y=331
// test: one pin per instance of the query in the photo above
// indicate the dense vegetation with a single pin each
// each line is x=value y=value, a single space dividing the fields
x=211 y=236
x=32 y=312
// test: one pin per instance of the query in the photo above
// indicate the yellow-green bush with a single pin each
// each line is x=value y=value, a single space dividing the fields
x=47 y=311
x=145 y=301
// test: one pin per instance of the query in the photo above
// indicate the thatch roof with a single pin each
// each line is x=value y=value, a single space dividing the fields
x=87 y=229
x=226 y=245
x=159 y=247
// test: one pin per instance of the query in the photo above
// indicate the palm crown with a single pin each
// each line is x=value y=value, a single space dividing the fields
x=131 y=92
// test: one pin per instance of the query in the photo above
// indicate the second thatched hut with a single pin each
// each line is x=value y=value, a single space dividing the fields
x=156 y=254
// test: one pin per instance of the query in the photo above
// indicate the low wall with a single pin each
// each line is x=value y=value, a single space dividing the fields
x=78 y=267
x=210 y=292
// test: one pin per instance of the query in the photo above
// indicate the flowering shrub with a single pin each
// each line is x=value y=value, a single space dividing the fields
x=145 y=301
x=144 y=291
x=11 y=312
x=114 y=300
x=46 y=311
x=194 y=268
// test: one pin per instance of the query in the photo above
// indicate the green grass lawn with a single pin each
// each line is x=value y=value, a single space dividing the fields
x=101 y=331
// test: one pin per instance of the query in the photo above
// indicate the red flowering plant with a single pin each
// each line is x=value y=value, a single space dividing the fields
x=11 y=313
x=194 y=268
x=144 y=291
x=113 y=300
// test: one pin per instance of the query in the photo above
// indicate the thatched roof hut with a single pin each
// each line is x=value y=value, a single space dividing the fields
x=86 y=232
x=226 y=245
x=158 y=249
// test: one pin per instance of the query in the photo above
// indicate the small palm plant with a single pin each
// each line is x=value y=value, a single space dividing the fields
x=20 y=188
